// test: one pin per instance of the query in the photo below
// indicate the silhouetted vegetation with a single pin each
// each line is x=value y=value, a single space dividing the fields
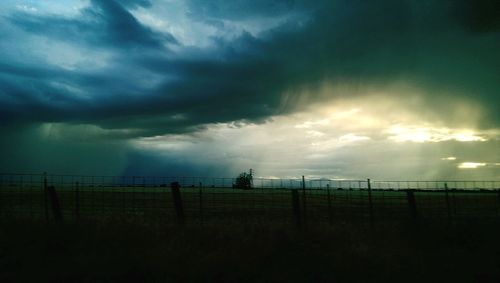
x=244 y=181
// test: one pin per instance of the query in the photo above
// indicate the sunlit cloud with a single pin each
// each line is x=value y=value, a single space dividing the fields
x=313 y=123
x=352 y=138
x=475 y=165
x=330 y=141
x=164 y=144
x=332 y=144
x=315 y=134
x=470 y=165
x=430 y=134
x=467 y=136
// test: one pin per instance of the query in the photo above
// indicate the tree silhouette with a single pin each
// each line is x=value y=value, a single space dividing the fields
x=243 y=181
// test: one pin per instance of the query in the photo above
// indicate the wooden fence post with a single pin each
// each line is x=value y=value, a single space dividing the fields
x=179 y=209
x=54 y=200
x=296 y=208
x=498 y=194
x=45 y=196
x=330 y=213
x=201 y=203
x=412 y=205
x=77 y=201
x=447 y=198
x=304 y=216
x=370 y=202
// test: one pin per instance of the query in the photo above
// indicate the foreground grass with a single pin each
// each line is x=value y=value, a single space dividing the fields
x=467 y=252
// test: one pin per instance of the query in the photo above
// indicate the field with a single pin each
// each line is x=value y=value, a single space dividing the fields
x=102 y=232
x=129 y=252
x=205 y=206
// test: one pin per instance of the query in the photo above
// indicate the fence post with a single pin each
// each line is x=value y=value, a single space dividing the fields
x=77 y=201
x=179 y=209
x=447 y=197
x=45 y=200
x=370 y=202
x=498 y=194
x=54 y=200
x=201 y=203
x=454 y=198
x=412 y=204
x=330 y=214
x=296 y=208
x=304 y=200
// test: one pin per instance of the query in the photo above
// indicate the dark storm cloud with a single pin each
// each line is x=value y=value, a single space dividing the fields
x=29 y=94
x=106 y=23
x=239 y=9
x=135 y=3
x=441 y=47
x=478 y=16
x=364 y=42
x=82 y=118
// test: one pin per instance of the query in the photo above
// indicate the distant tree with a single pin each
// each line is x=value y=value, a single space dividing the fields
x=244 y=181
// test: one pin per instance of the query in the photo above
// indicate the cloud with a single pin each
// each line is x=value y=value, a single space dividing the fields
x=239 y=9
x=136 y=3
x=358 y=42
x=437 y=60
x=478 y=16
x=104 y=23
x=470 y=165
x=37 y=149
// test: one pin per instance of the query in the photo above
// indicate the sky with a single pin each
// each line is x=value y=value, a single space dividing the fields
x=388 y=90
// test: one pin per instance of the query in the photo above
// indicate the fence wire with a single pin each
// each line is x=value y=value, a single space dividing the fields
x=209 y=201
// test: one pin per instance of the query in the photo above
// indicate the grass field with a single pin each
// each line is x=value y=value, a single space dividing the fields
x=127 y=252
x=156 y=205
x=132 y=234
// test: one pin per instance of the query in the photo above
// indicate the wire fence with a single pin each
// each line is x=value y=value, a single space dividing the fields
x=208 y=201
